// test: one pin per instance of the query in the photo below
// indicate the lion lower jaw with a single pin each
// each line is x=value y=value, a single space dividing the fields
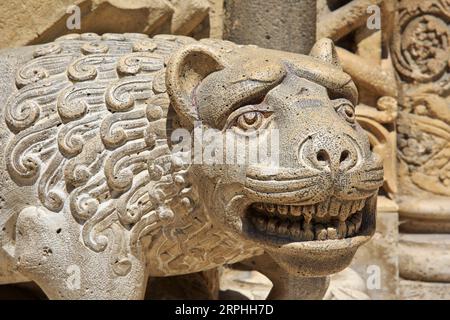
x=328 y=220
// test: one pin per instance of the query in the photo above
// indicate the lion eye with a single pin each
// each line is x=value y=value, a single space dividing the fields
x=250 y=120
x=347 y=111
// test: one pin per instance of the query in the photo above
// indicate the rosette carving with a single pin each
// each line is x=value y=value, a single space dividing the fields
x=421 y=45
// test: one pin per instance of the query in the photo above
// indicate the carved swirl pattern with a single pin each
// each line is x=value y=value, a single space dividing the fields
x=47 y=49
x=32 y=102
x=122 y=94
x=41 y=68
x=89 y=67
x=139 y=62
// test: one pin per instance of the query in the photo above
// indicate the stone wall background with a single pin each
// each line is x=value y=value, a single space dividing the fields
x=25 y=22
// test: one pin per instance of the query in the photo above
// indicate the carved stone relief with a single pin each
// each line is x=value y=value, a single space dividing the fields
x=87 y=139
x=421 y=53
x=88 y=162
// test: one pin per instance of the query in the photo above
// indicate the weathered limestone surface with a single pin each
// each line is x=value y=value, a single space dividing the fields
x=347 y=285
x=417 y=290
x=11 y=58
x=32 y=22
x=282 y=25
x=420 y=48
x=425 y=257
x=337 y=20
x=377 y=262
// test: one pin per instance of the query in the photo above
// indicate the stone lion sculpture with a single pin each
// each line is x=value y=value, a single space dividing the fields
x=95 y=197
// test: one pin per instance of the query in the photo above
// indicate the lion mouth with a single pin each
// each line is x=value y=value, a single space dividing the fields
x=331 y=219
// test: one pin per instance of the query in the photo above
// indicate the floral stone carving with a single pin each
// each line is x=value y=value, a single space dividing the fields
x=93 y=181
x=421 y=53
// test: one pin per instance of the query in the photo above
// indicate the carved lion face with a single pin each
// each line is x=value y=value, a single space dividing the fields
x=315 y=205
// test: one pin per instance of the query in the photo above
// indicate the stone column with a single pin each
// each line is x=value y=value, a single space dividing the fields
x=421 y=52
x=288 y=25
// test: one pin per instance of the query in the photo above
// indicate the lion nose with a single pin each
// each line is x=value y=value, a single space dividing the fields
x=331 y=153
x=334 y=160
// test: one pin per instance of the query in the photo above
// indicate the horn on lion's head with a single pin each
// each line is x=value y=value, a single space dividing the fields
x=322 y=66
x=325 y=50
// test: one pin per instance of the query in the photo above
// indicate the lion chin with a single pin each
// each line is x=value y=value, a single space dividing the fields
x=309 y=238
x=307 y=242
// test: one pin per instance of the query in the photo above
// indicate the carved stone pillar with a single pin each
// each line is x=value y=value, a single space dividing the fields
x=421 y=51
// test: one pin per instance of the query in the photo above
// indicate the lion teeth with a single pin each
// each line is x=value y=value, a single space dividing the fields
x=361 y=205
x=355 y=206
x=303 y=231
x=357 y=219
x=332 y=233
x=321 y=232
x=308 y=212
x=327 y=220
x=345 y=210
x=295 y=231
x=350 y=228
x=270 y=207
x=260 y=223
x=335 y=205
x=308 y=232
x=330 y=208
x=259 y=206
x=282 y=209
x=283 y=228
x=322 y=208
x=272 y=226
x=341 y=229
x=296 y=211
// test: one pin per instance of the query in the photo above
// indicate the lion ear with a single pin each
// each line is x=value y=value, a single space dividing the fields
x=325 y=50
x=186 y=69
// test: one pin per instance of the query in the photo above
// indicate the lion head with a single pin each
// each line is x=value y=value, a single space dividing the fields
x=313 y=207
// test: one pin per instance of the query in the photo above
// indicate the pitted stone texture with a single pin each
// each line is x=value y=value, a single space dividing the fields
x=418 y=290
x=30 y=22
x=424 y=257
x=377 y=263
x=283 y=25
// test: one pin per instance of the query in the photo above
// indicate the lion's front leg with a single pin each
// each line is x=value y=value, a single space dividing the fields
x=287 y=285
x=292 y=287
x=49 y=252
